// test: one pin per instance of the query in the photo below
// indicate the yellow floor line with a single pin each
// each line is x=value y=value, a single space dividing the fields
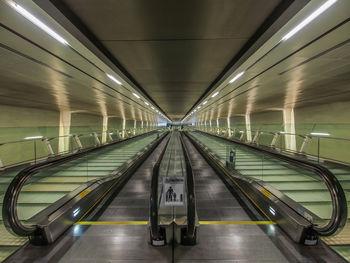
x=237 y=223
x=107 y=223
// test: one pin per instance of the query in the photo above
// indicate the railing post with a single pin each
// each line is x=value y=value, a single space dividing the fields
x=305 y=142
x=49 y=147
x=257 y=133
x=77 y=140
x=274 y=140
x=1 y=166
x=97 y=140
x=110 y=136
x=242 y=135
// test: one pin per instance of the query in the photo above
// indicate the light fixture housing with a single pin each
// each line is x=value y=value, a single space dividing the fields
x=114 y=79
x=33 y=137
x=215 y=94
x=205 y=102
x=308 y=20
x=37 y=22
x=146 y=103
x=137 y=96
x=320 y=134
x=236 y=77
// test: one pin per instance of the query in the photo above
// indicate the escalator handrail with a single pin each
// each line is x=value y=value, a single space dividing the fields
x=191 y=197
x=339 y=202
x=154 y=226
x=9 y=209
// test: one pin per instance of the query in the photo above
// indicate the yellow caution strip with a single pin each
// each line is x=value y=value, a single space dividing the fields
x=109 y=223
x=135 y=223
x=237 y=223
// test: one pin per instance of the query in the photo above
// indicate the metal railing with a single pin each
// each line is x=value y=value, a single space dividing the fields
x=154 y=224
x=309 y=145
x=39 y=148
x=191 y=197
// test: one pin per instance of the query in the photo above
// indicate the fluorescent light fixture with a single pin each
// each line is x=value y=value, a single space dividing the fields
x=33 y=137
x=216 y=93
x=111 y=133
x=307 y=20
x=198 y=107
x=114 y=79
x=320 y=133
x=236 y=77
x=282 y=132
x=241 y=131
x=152 y=108
x=146 y=103
x=205 y=102
x=137 y=96
x=37 y=22
x=157 y=111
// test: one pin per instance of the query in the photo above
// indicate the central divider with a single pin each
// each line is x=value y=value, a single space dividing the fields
x=173 y=214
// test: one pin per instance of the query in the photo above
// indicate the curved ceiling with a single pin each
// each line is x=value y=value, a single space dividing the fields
x=174 y=50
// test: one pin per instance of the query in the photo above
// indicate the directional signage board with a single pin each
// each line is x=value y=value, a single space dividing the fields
x=173 y=191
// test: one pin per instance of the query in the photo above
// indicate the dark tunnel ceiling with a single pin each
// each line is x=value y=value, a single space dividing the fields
x=173 y=49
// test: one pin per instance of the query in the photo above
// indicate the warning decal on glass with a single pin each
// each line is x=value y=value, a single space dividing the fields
x=173 y=191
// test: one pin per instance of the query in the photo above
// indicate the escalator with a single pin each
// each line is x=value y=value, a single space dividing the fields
x=39 y=191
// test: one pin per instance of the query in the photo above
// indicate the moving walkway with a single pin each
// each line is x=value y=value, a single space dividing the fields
x=304 y=190
x=228 y=226
x=44 y=199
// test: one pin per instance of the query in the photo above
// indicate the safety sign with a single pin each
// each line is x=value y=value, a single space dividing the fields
x=173 y=191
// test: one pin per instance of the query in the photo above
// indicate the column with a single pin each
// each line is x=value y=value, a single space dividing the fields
x=104 y=129
x=248 y=128
x=64 y=130
x=289 y=127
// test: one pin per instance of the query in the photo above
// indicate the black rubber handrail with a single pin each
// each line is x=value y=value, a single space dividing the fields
x=155 y=230
x=191 y=197
x=9 y=209
x=339 y=202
